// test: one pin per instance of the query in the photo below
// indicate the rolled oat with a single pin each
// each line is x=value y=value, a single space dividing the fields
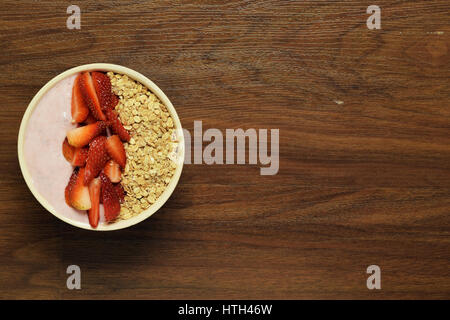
x=150 y=166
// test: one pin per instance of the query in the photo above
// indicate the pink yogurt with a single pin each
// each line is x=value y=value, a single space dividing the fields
x=44 y=135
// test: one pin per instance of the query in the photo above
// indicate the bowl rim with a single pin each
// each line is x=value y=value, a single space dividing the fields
x=155 y=90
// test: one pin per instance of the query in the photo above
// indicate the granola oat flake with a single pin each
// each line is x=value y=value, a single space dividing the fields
x=150 y=152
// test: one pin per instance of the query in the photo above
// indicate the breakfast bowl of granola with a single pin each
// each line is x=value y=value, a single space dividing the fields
x=101 y=147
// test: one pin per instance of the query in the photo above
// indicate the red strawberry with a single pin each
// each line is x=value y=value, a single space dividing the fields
x=90 y=119
x=94 y=194
x=76 y=156
x=116 y=150
x=90 y=96
x=67 y=150
x=114 y=100
x=79 y=193
x=111 y=202
x=102 y=86
x=70 y=185
x=81 y=136
x=79 y=108
x=79 y=157
x=117 y=126
x=97 y=158
x=120 y=192
x=112 y=170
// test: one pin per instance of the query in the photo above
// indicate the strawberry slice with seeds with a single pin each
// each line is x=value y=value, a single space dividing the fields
x=90 y=96
x=79 y=193
x=112 y=170
x=117 y=126
x=102 y=86
x=81 y=136
x=90 y=119
x=120 y=192
x=114 y=100
x=110 y=200
x=116 y=150
x=69 y=187
x=94 y=194
x=96 y=159
x=67 y=150
x=75 y=156
x=79 y=157
x=79 y=109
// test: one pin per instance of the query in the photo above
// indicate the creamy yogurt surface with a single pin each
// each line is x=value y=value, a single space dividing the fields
x=44 y=135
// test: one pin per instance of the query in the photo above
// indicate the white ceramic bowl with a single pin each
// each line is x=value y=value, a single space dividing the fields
x=162 y=97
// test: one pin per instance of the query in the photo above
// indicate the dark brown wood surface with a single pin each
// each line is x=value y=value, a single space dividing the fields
x=364 y=177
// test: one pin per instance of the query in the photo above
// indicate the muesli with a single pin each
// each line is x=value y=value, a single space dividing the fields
x=122 y=148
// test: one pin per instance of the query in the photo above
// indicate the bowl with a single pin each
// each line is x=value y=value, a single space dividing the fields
x=155 y=90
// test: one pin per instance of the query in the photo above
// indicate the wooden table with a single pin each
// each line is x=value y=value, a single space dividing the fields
x=364 y=175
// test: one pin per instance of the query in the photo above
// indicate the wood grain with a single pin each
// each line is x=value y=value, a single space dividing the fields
x=364 y=176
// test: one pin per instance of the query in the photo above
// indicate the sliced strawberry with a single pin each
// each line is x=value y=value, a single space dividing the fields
x=114 y=100
x=112 y=170
x=97 y=158
x=120 y=192
x=81 y=136
x=69 y=187
x=111 y=202
x=90 y=119
x=117 y=126
x=79 y=193
x=67 y=150
x=79 y=157
x=76 y=156
x=116 y=150
x=90 y=96
x=94 y=194
x=79 y=109
x=102 y=86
